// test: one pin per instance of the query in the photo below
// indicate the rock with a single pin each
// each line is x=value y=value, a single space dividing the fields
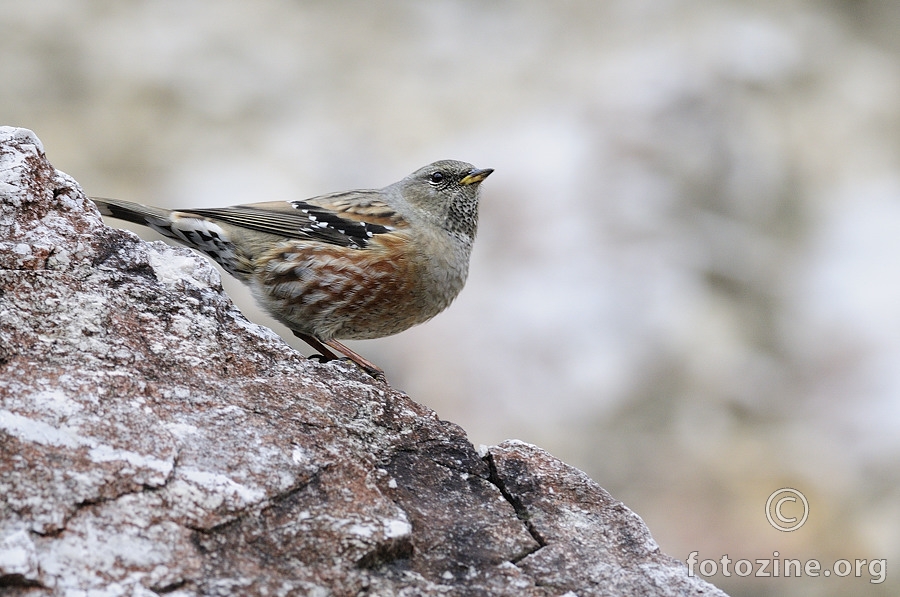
x=152 y=440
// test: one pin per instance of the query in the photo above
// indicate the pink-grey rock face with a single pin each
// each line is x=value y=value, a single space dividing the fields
x=152 y=440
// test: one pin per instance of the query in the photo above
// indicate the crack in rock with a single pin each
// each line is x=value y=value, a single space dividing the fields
x=518 y=506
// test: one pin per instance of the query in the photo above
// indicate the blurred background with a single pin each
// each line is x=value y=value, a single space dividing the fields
x=687 y=276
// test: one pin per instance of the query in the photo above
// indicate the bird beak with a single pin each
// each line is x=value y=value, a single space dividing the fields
x=475 y=176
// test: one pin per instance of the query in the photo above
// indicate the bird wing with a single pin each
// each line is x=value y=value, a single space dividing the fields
x=349 y=219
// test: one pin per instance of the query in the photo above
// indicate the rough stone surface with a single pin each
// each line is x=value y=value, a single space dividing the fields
x=153 y=441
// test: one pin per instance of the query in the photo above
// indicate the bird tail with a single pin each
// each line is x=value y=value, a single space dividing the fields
x=145 y=215
x=195 y=231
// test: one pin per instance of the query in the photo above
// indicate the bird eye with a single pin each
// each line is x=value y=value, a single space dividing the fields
x=437 y=177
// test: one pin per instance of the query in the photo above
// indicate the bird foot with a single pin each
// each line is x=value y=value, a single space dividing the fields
x=336 y=347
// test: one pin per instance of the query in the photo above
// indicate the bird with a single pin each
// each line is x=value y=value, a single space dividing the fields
x=351 y=265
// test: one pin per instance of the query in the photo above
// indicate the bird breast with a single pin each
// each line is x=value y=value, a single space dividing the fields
x=334 y=292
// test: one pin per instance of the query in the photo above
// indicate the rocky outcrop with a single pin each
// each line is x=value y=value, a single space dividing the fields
x=153 y=441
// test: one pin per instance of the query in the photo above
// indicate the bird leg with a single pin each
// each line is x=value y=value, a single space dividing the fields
x=328 y=348
x=316 y=345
